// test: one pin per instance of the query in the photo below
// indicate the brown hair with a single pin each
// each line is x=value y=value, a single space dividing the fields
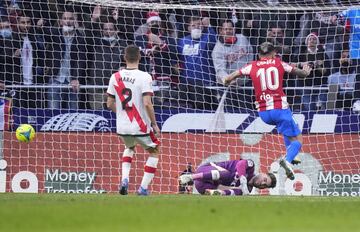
x=273 y=180
x=266 y=48
x=132 y=54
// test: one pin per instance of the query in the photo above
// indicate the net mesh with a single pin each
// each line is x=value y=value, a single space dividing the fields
x=57 y=58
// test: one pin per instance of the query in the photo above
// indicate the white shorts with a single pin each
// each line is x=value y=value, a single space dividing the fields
x=147 y=141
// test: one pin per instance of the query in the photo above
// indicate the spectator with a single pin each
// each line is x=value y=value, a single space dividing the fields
x=5 y=28
x=38 y=10
x=160 y=54
x=197 y=68
x=3 y=11
x=107 y=60
x=6 y=52
x=256 y=24
x=67 y=63
x=353 y=17
x=276 y=36
x=27 y=61
x=330 y=35
x=153 y=18
x=344 y=82
x=109 y=14
x=231 y=52
x=314 y=55
x=13 y=11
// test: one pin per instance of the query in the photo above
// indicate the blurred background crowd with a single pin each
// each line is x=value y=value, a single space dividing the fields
x=61 y=54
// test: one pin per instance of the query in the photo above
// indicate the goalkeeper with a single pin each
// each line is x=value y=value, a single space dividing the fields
x=234 y=177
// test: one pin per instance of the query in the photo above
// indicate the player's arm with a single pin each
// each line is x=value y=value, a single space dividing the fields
x=110 y=103
x=304 y=72
x=232 y=77
x=147 y=100
x=238 y=73
x=147 y=93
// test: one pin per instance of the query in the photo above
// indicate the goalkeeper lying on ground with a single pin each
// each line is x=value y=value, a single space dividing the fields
x=234 y=177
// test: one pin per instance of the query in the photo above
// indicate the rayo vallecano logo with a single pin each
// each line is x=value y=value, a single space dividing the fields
x=77 y=122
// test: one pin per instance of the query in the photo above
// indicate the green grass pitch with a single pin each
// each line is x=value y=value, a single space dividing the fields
x=172 y=213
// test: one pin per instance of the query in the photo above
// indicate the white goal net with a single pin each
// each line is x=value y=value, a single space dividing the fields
x=57 y=56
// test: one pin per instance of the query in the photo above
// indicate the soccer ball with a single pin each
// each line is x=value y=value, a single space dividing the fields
x=25 y=133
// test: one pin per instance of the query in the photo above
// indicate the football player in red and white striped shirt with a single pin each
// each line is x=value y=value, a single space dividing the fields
x=267 y=76
x=130 y=97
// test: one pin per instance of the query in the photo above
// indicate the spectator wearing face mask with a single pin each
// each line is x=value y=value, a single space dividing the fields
x=343 y=82
x=5 y=29
x=232 y=51
x=159 y=49
x=107 y=59
x=197 y=71
x=153 y=18
x=67 y=63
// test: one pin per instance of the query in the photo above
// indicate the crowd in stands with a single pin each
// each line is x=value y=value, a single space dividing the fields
x=54 y=47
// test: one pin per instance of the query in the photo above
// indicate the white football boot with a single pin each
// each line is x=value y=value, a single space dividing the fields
x=288 y=169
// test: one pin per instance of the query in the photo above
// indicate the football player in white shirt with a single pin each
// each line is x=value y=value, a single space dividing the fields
x=130 y=97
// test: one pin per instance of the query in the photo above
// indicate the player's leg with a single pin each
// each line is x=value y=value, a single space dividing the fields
x=266 y=116
x=287 y=143
x=232 y=192
x=294 y=148
x=151 y=144
x=290 y=157
x=203 y=187
x=127 y=157
x=224 y=192
x=287 y=126
x=205 y=173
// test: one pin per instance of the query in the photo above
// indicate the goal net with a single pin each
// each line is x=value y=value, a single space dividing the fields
x=57 y=57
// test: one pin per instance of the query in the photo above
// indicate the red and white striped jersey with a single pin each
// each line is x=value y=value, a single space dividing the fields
x=128 y=87
x=267 y=76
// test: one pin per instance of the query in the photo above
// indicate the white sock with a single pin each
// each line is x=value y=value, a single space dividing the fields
x=126 y=163
x=149 y=173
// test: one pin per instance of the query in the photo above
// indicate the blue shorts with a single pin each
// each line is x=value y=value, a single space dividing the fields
x=283 y=120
